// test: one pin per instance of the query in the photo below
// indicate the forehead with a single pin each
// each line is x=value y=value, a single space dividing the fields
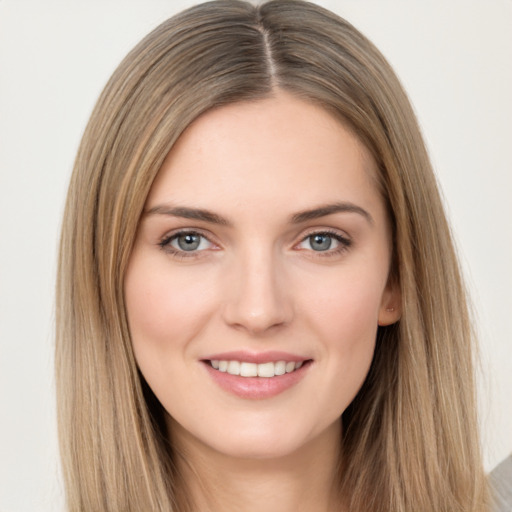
x=280 y=151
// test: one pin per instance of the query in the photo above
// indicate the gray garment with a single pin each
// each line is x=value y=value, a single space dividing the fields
x=501 y=483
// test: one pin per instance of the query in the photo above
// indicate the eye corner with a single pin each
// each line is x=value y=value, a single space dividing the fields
x=193 y=244
x=324 y=247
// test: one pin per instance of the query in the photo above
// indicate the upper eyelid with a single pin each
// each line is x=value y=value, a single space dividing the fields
x=329 y=231
x=165 y=244
x=344 y=240
x=181 y=231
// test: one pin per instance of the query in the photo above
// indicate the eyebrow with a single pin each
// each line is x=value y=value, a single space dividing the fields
x=298 y=218
x=329 y=209
x=188 y=213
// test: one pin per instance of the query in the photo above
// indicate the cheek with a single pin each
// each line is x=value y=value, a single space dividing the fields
x=349 y=308
x=350 y=327
x=165 y=309
x=345 y=319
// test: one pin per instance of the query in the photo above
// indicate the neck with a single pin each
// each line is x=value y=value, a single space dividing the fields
x=304 y=480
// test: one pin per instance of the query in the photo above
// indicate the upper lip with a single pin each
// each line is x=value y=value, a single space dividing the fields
x=271 y=356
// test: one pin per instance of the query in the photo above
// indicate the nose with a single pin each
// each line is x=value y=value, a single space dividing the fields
x=258 y=299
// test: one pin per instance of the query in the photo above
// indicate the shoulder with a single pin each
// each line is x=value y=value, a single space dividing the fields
x=501 y=483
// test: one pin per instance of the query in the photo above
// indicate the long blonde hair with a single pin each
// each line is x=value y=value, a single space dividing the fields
x=410 y=439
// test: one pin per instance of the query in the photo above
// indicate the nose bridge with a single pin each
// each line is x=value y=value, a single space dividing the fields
x=258 y=298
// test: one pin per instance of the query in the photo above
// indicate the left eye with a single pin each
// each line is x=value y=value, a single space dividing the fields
x=188 y=242
x=320 y=242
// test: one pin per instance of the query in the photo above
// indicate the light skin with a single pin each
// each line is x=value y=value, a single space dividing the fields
x=288 y=250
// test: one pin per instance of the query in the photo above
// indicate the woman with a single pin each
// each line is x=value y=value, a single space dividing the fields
x=259 y=304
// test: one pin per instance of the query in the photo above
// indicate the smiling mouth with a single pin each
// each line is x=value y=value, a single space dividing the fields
x=265 y=370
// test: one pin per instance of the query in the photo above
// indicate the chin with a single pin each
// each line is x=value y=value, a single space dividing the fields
x=259 y=448
x=262 y=440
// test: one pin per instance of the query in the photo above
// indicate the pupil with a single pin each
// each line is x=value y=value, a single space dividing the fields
x=321 y=242
x=189 y=242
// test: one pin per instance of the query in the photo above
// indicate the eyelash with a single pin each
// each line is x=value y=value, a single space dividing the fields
x=165 y=244
x=344 y=244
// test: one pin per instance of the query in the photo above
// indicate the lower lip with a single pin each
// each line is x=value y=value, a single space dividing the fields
x=257 y=388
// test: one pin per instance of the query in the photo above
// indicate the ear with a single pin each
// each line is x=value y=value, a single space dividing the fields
x=391 y=305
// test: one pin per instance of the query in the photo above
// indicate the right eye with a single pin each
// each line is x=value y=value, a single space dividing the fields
x=185 y=242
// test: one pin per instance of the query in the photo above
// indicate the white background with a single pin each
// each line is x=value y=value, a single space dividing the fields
x=455 y=60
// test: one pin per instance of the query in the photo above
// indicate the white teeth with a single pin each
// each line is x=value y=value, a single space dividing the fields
x=234 y=367
x=265 y=370
x=280 y=368
x=249 y=369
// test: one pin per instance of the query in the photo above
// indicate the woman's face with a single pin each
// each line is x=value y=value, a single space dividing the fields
x=264 y=249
